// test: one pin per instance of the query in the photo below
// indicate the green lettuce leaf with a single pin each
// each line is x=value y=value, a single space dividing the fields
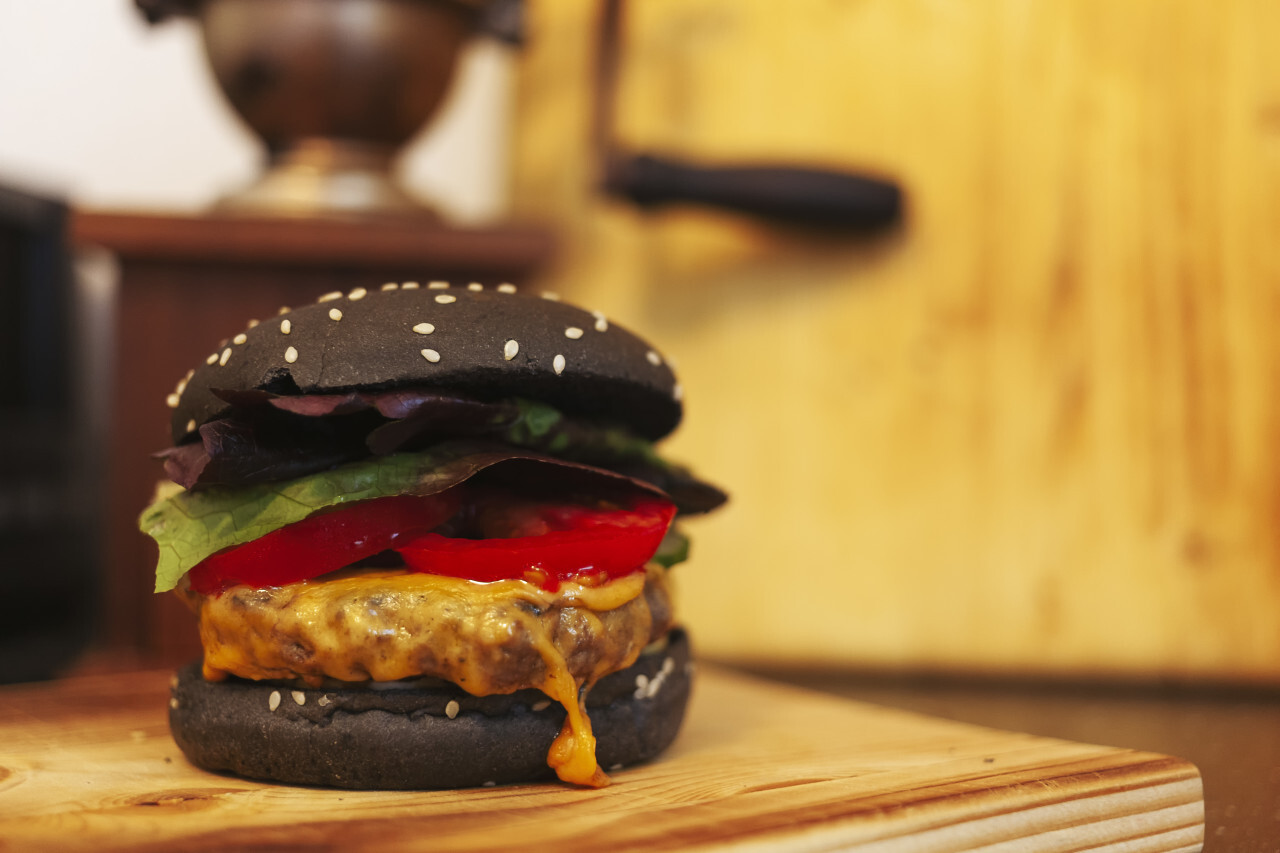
x=673 y=550
x=536 y=425
x=188 y=526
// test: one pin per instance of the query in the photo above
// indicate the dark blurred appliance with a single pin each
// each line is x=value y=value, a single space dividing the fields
x=48 y=568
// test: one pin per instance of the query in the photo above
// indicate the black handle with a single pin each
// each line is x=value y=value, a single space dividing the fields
x=798 y=196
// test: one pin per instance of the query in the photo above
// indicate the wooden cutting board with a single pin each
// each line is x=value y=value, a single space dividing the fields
x=87 y=764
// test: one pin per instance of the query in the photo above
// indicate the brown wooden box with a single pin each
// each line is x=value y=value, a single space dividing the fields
x=187 y=282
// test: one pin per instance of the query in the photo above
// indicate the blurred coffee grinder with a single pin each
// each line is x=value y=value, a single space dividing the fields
x=335 y=88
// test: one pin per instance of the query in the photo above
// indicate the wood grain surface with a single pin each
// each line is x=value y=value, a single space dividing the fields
x=87 y=764
x=1033 y=430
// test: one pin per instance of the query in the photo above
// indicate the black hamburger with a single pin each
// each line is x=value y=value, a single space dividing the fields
x=426 y=536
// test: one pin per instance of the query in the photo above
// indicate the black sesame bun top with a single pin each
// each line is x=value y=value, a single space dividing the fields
x=489 y=342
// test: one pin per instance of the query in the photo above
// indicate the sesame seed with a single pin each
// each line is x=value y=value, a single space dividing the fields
x=284 y=309
x=291 y=355
x=677 y=393
x=329 y=297
x=286 y=327
x=506 y=287
x=573 y=333
x=253 y=324
x=172 y=401
x=173 y=681
x=451 y=710
x=424 y=328
x=212 y=359
x=409 y=285
x=431 y=355
x=540 y=705
x=273 y=701
x=225 y=357
x=173 y=702
x=552 y=297
x=182 y=386
x=510 y=349
x=557 y=364
x=475 y=287
x=446 y=298
x=335 y=315
x=323 y=700
x=240 y=338
x=602 y=323
x=187 y=377
x=391 y=285
x=191 y=425
x=653 y=358
x=438 y=285
x=357 y=294
x=299 y=698
x=489 y=784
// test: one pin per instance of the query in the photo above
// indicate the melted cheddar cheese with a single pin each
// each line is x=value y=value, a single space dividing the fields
x=485 y=637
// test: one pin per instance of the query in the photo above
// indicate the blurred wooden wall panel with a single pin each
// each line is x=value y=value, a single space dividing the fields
x=1037 y=429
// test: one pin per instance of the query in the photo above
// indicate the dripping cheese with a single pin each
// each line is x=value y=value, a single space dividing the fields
x=486 y=638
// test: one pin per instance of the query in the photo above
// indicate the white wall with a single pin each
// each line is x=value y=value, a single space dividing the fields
x=100 y=108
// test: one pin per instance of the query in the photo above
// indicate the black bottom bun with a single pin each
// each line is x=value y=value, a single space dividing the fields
x=414 y=738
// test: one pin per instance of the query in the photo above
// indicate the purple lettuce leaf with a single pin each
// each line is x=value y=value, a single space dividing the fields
x=267 y=437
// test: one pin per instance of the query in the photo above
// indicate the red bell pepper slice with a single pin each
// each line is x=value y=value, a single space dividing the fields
x=553 y=543
x=546 y=543
x=323 y=542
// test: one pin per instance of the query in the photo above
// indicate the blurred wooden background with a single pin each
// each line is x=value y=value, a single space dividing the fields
x=1033 y=431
